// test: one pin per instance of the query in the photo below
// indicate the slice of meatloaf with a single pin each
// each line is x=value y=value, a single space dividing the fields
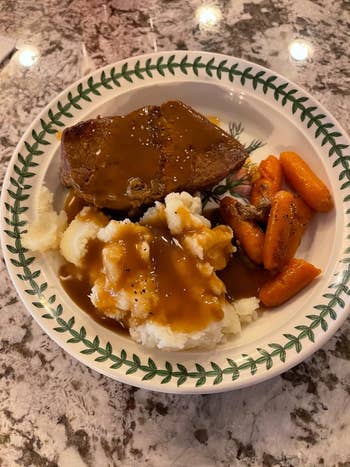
x=127 y=161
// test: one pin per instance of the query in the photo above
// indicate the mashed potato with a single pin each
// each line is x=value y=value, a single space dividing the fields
x=156 y=276
x=83 y=228
x=45 y=232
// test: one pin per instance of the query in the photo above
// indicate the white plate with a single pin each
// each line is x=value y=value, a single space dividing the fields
x=271 y=109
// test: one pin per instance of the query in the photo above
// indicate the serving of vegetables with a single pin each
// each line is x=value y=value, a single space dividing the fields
x=271 y=230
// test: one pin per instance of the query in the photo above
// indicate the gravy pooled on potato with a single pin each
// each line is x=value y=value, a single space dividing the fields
x=160 y=270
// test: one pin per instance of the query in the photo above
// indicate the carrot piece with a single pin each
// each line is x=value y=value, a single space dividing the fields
x=296 y=275
x=248 y=233
x=279 y=230
x=269 y=182
x=305 y=182
x=302 y=216
x=287 y=221
x=251 y=237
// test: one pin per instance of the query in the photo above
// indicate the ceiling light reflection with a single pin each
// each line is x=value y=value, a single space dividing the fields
x=299 y=50
x=208 y=15
x=28 y=55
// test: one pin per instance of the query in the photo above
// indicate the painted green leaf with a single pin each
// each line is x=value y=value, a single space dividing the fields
x=101 y=359
x=183 y=64
x=181 y=380
x=136 y=359
x=73 y=340
x=47 y=316
x=218 y=379
x=166 y=380
x=151 y=364
x=148 y=376
x=52 y=299
x=199 y=368
x=200 y=381
x=116 y=365
x=169 y=367
x=132 y=370
x=71 y=322
x=87 y=351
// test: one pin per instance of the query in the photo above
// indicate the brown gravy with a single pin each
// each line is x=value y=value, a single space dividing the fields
x=186 y=302
x=123 y=137
x=127 y=161
x=242 y=279
x=78 y=288
x=173 y=272
x=72 y=205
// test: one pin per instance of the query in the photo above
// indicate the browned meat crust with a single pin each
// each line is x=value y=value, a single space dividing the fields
x=124 y=162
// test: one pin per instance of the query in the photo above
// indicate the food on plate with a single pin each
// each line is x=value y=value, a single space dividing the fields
x=293 y=277
x=169 y=277
x=243 y=278
x=268 y=183
x=158 y=276
x=46 y=230
x=286 y=223
x=214 y=119
x=305 y=182
x=302 y=216
x=128 y=161
x=276 y=237
x=247 y=232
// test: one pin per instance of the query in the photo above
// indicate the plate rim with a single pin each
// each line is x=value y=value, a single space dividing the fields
x=279 y=366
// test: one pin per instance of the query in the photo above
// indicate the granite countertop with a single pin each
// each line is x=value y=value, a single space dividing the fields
x=56 y=412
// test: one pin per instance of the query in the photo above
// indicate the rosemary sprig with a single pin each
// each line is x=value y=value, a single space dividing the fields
x=254 y=145
x=229 y=186
x=235 y=129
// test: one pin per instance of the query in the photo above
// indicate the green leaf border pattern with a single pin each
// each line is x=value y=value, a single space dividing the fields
x=24 y=170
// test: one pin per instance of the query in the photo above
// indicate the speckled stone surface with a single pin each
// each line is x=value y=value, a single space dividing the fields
x=56 y=412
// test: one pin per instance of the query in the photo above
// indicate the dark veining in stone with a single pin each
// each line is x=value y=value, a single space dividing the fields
x=272 y=461
x=201 y=435
x=342 y=347
x=7 y=372
x=307 y=373
x=4 y=439
x=31 y=457
x=304 y=420
x=79 y=439
x=244 y=451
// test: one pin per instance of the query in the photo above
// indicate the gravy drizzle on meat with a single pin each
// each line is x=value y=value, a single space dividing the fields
x=125 y=162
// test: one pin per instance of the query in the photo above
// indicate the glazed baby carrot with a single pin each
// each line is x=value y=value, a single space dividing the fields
x=269 y=182
x=279 y=230
x=302 y=216
x=247 y=232
x=296 y=275
x=305 y=182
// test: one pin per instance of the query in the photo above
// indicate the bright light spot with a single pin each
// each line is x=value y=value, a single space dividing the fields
x=299 y=50
x=208 y=15
x=28 y=55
